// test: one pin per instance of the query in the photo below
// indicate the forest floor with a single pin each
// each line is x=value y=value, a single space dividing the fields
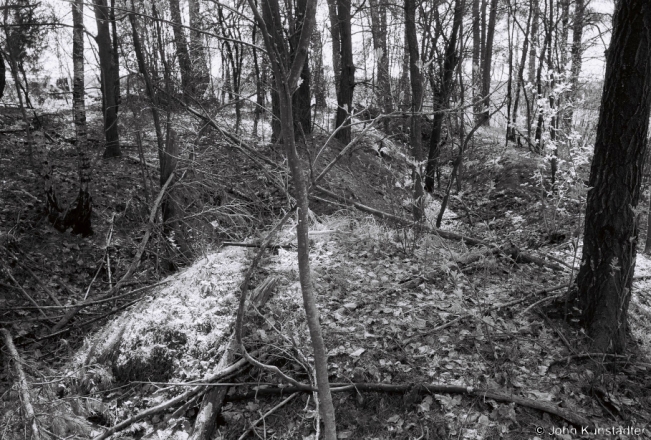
x=400 y=306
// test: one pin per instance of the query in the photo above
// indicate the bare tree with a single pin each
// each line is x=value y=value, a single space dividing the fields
x=442 y=95
x=286 y=74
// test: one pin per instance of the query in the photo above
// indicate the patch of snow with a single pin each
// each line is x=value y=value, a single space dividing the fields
x=191 y=317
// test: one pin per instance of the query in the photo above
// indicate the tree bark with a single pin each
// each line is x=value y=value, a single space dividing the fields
x=442 y=96
x=476 y=58
x=487 y=61
x=149 y=87
x=647 y=243
x=182 y=53
x=286 y=76
x=379 y=33
x=610 y=237
x=301 y=98
x=415 y=132
x=80 y=216
x=3 y=78
x=107 y=67
x=200 y=72
x=116 y=57
x=347 y=79
x=520 y=80
x=535 y=5
x=336 y=42
x=576 y=56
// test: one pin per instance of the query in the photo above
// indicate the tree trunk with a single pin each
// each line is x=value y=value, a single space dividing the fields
x=610 y=237
x=116 y=57
x=576 y=55
x=181 y=44
x=379 y=33
x=520 y=79
x=3 y=78
x=415 y=132
x=286 y=78
x=487 y=61
x=347 y=84
x=535 y=5
x=336 y=42
x=647 y=243
x=476 y=58
x=404 y=90
x=302 y=97
x=200 y=72
x=149 y=88
x=80 y=216
x=442 y=97
x=107 y=67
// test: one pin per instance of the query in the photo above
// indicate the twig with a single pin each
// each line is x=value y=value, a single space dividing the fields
x=486 y=311
x=22 y=384
x=244 y=288
x=23 y=291
x=594 y=357
x=40 y=283
x=94 y=278
x=557 y=331
x=136 y=261
x=267 y=414
x=108 y=256
x=549 y=298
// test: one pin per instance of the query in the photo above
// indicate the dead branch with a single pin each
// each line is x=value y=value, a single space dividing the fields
x=7 y=270
x=232 y=369
x=205 y=423
x=273 y=247
x=22 y=385
x=261 y=294
x=51 y=294
x=244 y=288
x=576 y=419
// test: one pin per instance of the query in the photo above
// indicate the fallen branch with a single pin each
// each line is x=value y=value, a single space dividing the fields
x=170 y=403
x=577 y=420
x=22 y=385
x=274 y=247
x=512 y=251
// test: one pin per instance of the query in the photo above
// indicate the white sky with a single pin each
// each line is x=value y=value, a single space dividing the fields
x=56 y=60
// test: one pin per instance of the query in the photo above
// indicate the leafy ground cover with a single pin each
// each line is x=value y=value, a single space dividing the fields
x=399 y=306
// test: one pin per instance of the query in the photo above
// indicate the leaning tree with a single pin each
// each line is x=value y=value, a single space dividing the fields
x=610 y=237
